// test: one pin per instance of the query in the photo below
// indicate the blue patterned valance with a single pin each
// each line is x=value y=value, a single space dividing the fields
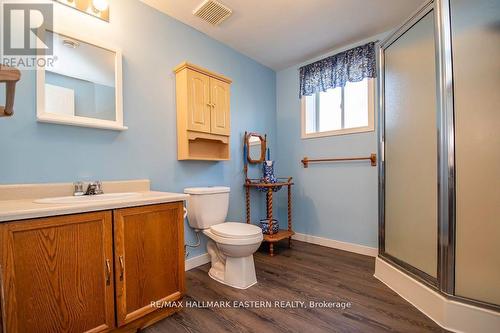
x=335 y=71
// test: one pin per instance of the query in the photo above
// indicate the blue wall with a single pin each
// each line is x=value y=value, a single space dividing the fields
x=334 y=201
x=152 y=45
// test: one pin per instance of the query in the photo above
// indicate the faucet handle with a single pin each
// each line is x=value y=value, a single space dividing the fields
x=98 y=187
x=78 y=188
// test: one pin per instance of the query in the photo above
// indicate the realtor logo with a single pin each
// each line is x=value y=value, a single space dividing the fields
x=24 y=28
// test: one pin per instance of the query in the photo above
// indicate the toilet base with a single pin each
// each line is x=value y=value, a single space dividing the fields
x=236 y=272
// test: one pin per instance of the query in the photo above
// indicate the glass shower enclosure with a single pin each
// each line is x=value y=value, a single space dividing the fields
x=439 y=142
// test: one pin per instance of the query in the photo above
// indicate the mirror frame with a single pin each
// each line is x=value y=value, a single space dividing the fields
x=263 y=147
x=45 y=117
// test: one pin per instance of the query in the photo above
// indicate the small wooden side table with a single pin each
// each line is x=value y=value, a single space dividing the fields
x=281 y=234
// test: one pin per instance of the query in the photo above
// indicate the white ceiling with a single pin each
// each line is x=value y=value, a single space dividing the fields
x=281 y=33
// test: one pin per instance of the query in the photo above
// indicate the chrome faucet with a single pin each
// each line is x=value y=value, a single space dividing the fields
x=93 y=188
x=78 y=189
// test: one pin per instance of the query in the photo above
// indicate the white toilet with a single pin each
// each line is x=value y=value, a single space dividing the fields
x=231 y=245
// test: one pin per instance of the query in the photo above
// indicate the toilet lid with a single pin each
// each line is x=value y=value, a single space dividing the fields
x=236 y=230
x=207 y=190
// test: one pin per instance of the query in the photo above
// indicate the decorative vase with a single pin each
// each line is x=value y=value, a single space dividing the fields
x=265 y=226
x=268 y=172
x=268 y=176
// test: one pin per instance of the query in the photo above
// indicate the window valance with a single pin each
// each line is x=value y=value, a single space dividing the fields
x=352 y=65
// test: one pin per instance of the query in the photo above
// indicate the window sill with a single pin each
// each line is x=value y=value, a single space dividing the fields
x=346 y=131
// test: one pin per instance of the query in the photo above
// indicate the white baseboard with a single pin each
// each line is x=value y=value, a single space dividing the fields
x=197 y=261
x=350 y=247
x=449 y=314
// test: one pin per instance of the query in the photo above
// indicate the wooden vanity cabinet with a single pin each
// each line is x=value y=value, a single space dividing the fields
x=149 y=258
x=57 y=274
x=203 y=113
x=91 y=272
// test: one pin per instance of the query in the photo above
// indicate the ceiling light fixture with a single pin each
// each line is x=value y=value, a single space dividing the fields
x=100 y=5
x=95 y=8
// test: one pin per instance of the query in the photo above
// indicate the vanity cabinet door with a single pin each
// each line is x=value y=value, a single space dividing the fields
x=57 y=274
x=220 y=117
x=198 y=102
x=149 y=258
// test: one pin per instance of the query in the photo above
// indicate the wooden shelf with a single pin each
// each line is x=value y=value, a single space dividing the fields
x=257 y=183
x=282 y=234
x=10 y=76
x=282 y=182
x=213 y=159
x=205 y=149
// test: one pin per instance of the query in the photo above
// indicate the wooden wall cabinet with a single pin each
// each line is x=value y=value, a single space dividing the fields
x=203 y=114
x=59 y=274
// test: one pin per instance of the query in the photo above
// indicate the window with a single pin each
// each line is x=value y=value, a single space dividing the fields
x=339 y=111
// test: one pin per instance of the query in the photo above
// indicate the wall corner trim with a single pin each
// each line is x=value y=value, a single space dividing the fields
x=449 y=314
x=197 y=261
x=335 y=244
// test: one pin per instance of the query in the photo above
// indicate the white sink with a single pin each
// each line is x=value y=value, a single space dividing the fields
x=88 y=198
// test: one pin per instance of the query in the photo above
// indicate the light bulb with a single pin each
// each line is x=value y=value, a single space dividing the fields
x=100 y=5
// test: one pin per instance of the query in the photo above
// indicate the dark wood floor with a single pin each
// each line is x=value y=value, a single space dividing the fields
x=304 y=273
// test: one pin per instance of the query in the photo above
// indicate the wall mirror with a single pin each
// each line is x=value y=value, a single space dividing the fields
x=255 y=147
x=83 y=87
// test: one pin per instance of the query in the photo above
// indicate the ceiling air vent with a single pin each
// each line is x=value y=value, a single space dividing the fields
x=213 y=12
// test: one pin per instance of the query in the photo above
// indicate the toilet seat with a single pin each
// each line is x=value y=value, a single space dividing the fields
x=234 y=233
x=232 y=241
x=236 y=230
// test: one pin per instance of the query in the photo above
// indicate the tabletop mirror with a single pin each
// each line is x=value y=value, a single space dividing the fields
x=83 y=86
x=256 y=147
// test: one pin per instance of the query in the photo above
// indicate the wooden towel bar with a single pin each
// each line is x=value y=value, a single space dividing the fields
x=372 y=158
x=9 y=76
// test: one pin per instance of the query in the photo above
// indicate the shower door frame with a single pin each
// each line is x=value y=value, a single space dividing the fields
x=445 y=280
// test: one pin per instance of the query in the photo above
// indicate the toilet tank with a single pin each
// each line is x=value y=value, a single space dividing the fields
x=207 y=206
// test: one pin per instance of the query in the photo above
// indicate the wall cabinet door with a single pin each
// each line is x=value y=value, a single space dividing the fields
x=220 y=97
x=57 y=274
x=199 y=106
x=149 y=258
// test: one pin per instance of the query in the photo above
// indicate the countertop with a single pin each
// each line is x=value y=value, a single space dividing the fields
x=21 y=209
